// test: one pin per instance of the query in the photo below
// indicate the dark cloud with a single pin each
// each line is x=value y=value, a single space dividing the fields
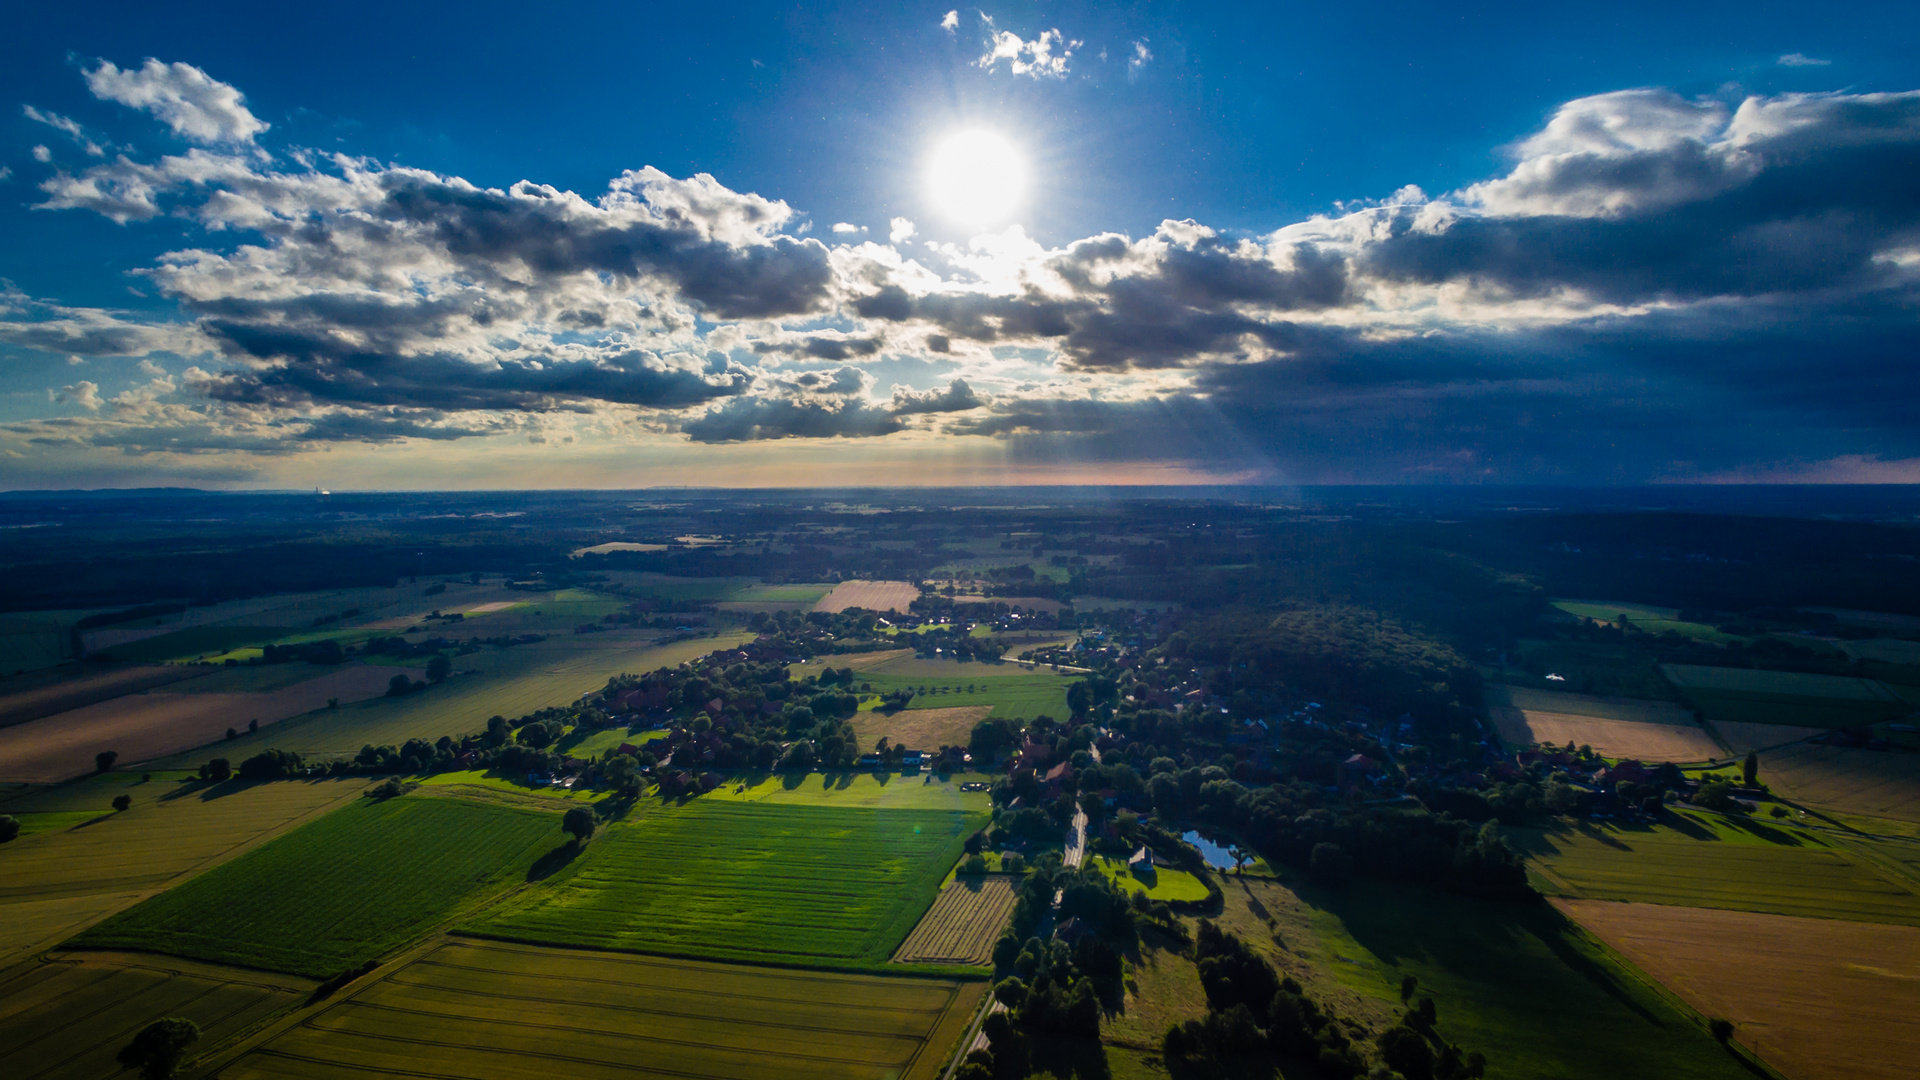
x=957 y=397
x=755 y=419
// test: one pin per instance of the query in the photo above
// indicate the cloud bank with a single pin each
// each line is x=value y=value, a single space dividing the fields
x=1656 y=287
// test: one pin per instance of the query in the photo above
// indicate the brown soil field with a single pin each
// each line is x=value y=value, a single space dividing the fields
x=872 y=595
x=962 y=924
x=44 y=693
x=1818 y=999
x=1743 y=737
x=141 y=727
x=1869 y=782
x=919 y=729
x=1614 y=727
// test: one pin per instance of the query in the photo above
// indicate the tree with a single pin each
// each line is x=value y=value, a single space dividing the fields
x=9 y=827
x=1750 y=769
x=104 y=760
x=217 y=770
x=974 y=866
x=399 y=685
x=157 y=1050
x=578 y=822
x=1407 y=986
x=122 y=802
x=438 y=669
x=1721 y=1029
x=253 y=726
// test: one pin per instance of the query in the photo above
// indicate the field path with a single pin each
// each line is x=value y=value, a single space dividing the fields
x=1819 y=999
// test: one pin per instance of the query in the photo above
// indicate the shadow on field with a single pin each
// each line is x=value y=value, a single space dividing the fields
x=553 y=861
x=1686 y=826
x=1768 y=833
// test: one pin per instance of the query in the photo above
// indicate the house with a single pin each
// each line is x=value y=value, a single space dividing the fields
x=1143 y=857
x=870 y=761
x=1070 y=930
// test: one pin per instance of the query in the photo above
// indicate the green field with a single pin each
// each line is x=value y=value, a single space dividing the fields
x=1784 y=697
x=794 y=884
x=62 y=880
x=855 y=789
x=1165 y=883
x=65 y=1020
x=505 y=682
x=1651 y=620
x=191 y=642
x=1012 y=690
x=1705 y=860
x=484 y=1010
x=342 y=890
x=594 y=743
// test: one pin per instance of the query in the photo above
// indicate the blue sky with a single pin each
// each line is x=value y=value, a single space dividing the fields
x=1411 y=257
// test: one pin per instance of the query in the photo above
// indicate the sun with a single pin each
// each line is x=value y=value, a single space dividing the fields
x=977 y=178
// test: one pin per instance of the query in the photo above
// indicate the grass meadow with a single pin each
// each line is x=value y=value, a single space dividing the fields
x=743 y=881
x=1784 y=697
x=482 y=1010
x=1010 y=690
x=1703 y=860
x=1650 y=620
x=68 y=1018
x=1162 y=883
x=60 y=881
x=341 y=890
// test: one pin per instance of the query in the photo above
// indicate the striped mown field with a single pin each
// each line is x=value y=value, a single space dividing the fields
x=961 y=926
x=342 y=890
x=67 y=1018
x=477 y=1010
x=746 y=881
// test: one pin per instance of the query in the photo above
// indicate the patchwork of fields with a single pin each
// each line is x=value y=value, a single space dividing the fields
x=1783 y=697
x=1712 y=864
x=145 y=726
x=66 y=1018
x=498 y=1011
x=1820 y=999
x=745 y=881
x=59 y=882
x=342 y=890
x=962 y=925
x=1614 y=727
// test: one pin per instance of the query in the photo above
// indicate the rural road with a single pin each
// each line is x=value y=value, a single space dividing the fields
x=1076 y=841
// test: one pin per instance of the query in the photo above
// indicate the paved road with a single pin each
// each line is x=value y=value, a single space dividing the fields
x=1076 y=840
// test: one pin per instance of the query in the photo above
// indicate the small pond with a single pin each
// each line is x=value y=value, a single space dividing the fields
x=1217 y=856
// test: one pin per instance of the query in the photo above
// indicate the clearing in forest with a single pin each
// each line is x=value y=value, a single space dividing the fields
x=1818 y=999
x=746 y=881
x=1615 y=727
x=962 y=925
x=481 y=1010
x=871 y=595
x=342 y=890
x=70 y=1016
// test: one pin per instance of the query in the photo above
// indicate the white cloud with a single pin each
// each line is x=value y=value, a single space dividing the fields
x=195 y=105
x=83 y=393
x=1142 y=56
x=847 y=227
x=950 y=22
x=1043 y=57
x=900 y=229
x=1794 y=59
x=42 y=155
x=71 y=128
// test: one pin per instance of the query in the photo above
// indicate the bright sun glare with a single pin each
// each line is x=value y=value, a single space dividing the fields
x=977 y=178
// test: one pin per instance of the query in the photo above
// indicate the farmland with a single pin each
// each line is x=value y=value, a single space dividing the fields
x=962 y=924
x=341 y=890
x=65 y=1019
x=1783 y=697
x=872 y=595
x=1819 y=999
x=508 y=682
x=796 y=884
x=1710 y=862
x=498 y=1011
x=145 y=726
x=1650 y=620
x=1011 y=690
x=59 y=882
x=876 y=790
x=1614 y=727
x=918 y=729
x=1840 y=778
x=30 y=697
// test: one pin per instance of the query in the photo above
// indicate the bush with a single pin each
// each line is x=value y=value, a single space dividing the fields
x=157 y=1050
x=1721 y=1029
x=103 y=761
x=9 y=827
x=974 y=866
x=216 y=770
x=271 y=765
x=122 y=802
x=579 y=823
